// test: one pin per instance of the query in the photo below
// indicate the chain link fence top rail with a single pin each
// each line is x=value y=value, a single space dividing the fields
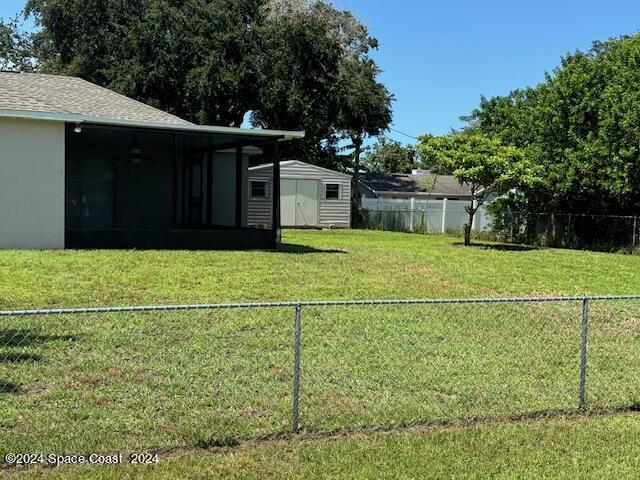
x=152 y=377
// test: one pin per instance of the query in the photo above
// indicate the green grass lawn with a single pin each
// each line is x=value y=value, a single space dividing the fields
x=188 y=383
x=340 y=264
x=566 y=448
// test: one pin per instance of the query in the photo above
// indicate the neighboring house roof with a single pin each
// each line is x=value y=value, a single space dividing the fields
x=401 y=184
x=288 y=163
x=69 y=99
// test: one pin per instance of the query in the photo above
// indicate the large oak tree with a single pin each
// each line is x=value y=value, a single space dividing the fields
x=292 y=64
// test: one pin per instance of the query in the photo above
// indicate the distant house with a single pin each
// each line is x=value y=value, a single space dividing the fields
x=84 y=167
x=421 y=186
x=311 y=196
x=434 y=203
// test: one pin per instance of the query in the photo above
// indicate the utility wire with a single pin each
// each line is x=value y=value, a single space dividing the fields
x=389 y=138
x=402 y=133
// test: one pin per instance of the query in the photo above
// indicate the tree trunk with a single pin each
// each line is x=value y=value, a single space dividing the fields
x=551 y=232
x=467 y=228
x=355 y=194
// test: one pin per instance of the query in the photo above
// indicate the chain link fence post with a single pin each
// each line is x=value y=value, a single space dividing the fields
x=583 y=353
x=295 y=421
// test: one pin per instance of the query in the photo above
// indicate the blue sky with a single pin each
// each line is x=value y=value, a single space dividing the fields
x=438 y=57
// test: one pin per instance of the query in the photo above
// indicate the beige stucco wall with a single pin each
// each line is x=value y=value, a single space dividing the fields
x=31 y=184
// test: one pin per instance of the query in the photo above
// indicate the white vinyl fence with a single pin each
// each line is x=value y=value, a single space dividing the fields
x=426 y=216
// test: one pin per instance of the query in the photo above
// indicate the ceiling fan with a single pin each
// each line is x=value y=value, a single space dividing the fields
x=135 y=156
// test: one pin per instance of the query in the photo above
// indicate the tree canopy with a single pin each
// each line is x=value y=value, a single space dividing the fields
x=15 y=49
x=390 y=156
x=581 y=126
x=485 y=165
x=294 y=64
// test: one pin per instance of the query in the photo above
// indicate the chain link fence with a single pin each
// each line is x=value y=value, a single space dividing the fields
x=130 y=379
x=601 y=232
x=563 y=230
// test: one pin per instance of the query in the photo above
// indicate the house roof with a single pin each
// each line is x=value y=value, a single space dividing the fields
x=381 y=183
x=69 y=99
x=70 y=95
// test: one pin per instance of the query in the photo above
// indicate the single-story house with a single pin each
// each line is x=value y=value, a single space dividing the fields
x=311 y=196
x=420 y=200
x=417 y=185
x=84 y=167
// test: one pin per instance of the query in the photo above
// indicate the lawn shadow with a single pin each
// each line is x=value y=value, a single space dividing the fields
x=301 y=249
x=501 y=247
x=23 y=337
x=7 y=387
x=13 y=357
x=310 y=433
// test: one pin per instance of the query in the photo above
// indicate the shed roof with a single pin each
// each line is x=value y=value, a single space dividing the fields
x=287 y=163
x=417 y=184
x=70 y=99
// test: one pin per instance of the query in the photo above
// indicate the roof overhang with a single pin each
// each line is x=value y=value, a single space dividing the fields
x=172 y=127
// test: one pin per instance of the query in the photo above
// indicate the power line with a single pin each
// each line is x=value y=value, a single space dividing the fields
x=389 y=138
x=402 y=133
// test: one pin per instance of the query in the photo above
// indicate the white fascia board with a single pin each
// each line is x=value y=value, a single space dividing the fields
x=174 y=127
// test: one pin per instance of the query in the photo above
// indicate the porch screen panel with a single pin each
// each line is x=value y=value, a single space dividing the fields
x=97 y=193
x=223 y=196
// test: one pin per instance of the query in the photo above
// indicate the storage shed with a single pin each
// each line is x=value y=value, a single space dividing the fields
x=311 y=196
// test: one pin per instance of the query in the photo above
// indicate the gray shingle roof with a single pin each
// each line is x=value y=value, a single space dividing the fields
x=69 y=95
x=400 y=183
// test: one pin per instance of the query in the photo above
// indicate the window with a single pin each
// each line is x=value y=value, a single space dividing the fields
x=258 y=189
x=333 y=191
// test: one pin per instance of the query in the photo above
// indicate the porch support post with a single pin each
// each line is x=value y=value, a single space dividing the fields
x=186 y=163
x=174 y=180
x=207 y=200
x=275 y=156
x=239 y=184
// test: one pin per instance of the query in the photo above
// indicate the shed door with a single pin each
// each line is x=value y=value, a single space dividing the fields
x=288 y=202
x=299 y=202
x=306 y=203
